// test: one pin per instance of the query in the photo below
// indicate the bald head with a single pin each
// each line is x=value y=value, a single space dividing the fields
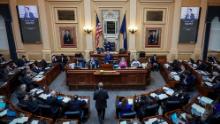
x=100 y=85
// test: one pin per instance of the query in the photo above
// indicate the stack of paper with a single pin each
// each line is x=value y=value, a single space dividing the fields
x=123 y=122
x=44 y=96
x=197 y=110
x=208 y=84
x=155 y=121
x=3 y=113
x=168 y=91
x=154 y=95
x=162 y=96
x=205 y=100
x=166 y=65
x=39 y=91
x=34 y=121
x=20 y=120
x=130 y=101
x=66 y=99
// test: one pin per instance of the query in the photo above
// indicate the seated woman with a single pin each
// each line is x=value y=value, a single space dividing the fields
x=108 y=58
x=123 y=63
x=93 y=63
x=135 y=63
x=124 y=107
x=154 y=63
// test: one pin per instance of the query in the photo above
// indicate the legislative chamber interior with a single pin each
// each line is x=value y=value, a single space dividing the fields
x=109 y=61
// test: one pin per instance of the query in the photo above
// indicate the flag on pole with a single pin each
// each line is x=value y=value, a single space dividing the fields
x=98 y=31
x=124 y=32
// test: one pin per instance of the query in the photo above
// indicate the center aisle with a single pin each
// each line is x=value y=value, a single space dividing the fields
x=59 y=85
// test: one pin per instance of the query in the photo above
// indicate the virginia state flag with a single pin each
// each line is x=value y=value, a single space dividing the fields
x=124 y=32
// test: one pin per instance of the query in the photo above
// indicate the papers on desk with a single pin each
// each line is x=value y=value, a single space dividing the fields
x=34 y=121
x=47 y=68
x=203 y=72
x=197 y=110
x=155 y=121
x=3 y=113
x=166 y=65
x=70 y=122
x=38 y=77
x=168 y=91
x=205 y=100
x=20 y=120
x=175 y=76
x=208 y=84
x=41 y=73
x=66 y=99
x=87 y=100
x=44 y=96
x=123 y=122
x=161 y=96
x=130 y=101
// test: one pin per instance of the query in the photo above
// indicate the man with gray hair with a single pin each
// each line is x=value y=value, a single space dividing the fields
x=100 y=96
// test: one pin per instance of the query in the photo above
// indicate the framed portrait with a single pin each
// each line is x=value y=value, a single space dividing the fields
x=154 y=16
x=65 y=15
x=68 y=36
x=189 y=23
x=152 y=37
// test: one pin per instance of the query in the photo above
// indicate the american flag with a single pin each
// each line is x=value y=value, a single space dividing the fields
x=98 y=31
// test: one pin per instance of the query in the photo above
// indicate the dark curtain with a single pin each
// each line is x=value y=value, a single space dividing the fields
x=212 y=12
x=5 y=12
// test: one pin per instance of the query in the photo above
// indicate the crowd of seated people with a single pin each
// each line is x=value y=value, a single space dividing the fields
x=40 y=101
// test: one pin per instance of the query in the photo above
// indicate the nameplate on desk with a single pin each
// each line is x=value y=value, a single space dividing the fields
x=104 y=72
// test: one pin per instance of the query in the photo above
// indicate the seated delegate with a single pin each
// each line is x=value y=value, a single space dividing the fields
x=108 y=58
x=2 y=59
x=93 y=63
x=135 y=63
x=123 y=63
x=124 y=107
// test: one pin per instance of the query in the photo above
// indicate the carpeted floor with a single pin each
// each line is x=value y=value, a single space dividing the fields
x=59 y=85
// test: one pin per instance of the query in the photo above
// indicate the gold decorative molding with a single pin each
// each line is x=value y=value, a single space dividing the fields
x=110 y=0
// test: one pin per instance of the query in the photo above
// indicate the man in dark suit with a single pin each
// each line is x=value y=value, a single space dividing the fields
x=76 y=104
x=100 y=96
x=108 y=58
x=67 y=38
x=152 y=39
x=63 y=61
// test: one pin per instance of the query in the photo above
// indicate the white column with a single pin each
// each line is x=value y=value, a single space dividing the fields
x=44 y=30
x=175 y=33
x=198 y=51
x=88 y=22
x=131 y=42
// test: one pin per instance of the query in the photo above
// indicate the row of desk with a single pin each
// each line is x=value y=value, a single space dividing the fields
x=182 y=112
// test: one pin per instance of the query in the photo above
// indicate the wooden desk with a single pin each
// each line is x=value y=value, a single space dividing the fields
x=50 y=75
x=116 y=57
x=10 y=85
x=123 y=78
x=166 y=75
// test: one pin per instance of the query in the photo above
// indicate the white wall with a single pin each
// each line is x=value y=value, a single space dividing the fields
x=214 y=40
x=3 y=35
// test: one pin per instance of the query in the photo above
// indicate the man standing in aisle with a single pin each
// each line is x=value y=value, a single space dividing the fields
x=100 y=96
